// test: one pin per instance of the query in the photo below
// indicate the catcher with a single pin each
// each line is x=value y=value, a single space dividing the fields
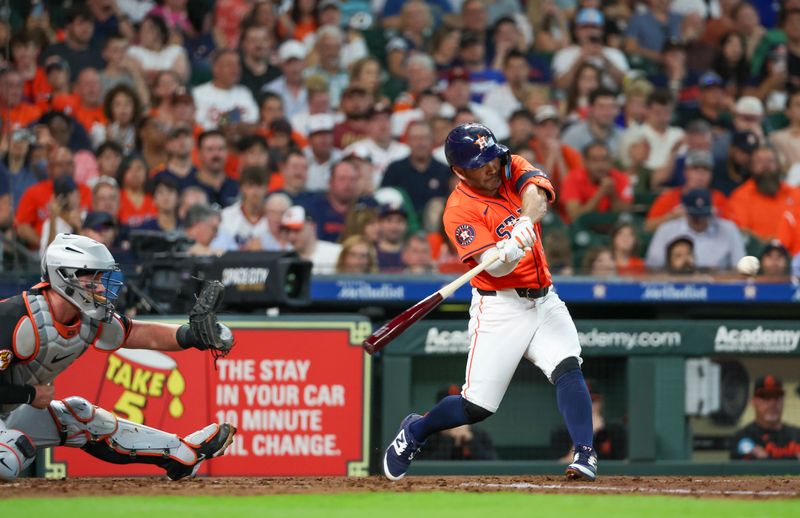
x=46 y=328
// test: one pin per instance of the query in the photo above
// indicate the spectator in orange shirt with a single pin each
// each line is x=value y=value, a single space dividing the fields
x=14 y=111
x=697 y=175
x=758 y=204
x=86 y=104
x=556 y=157
x=597 y=187
x=789 y=230
x=34 y=207
x=625 y=250
x=57 y=75
x=24 y=56
x=135 y=205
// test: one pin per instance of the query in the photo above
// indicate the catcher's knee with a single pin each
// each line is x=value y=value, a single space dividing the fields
x=16 y=453
x=79 y=421
x=566 y=365
x=475 y=413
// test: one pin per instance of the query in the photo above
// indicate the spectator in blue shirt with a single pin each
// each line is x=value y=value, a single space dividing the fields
x=650 y=30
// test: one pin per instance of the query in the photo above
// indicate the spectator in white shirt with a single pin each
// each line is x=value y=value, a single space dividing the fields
x=222 y=99
x=320 y=151
x=298 y=233
x=508 y=97
x=154 y=52
x=290 y=86
x=246 y=219
x=665 y=141
x=328 y=49
x=379 y=148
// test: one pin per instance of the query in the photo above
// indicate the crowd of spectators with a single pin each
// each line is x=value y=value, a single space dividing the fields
x=671 y=129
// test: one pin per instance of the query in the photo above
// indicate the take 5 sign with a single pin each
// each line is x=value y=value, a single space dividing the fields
x=298 y=393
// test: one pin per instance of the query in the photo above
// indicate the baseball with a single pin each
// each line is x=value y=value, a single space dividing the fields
x=748 y=265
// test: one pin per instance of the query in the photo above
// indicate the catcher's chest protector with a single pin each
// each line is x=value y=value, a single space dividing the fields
x=41 y=352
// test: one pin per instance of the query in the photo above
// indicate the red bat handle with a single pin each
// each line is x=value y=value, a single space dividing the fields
x=378 y=340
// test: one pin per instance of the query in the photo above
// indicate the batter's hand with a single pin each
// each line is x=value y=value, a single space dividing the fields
x=523 y=233
x=509 y=251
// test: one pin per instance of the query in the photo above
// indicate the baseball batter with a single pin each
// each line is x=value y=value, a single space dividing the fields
x=497 y=205
x=46 y=328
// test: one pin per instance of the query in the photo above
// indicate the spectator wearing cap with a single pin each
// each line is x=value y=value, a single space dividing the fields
x=775 y=261
x=57 y=71
x=210 y=176
x=717 y=242
x=165 y=199
x=77 y=49
x=787 y=141
x=179 y=166
x=34 y=207
x=760 y=201
x=457 y=97
x=742 y=146
x=748 y=115
x=680 y=256
x=482 y=76
x=321 y=153
x=298 y=233
x=555 y=157
x=665 y=140
x=589 y=47
x=245 y=220
x=255 y=47
x=329 y=209
x=355 y=106
x=379 y=147
x=392 y=228
x=202 y=225
x=509 y=96
x=697 y=175
x=290 y=85
x=327 y=48
x=767 y=437
x=599 y=123
x=16 y=171
x=223 y=100
x=101 y=227
x=15 y=111
x=65 y=212
x=711 y=104
x=419 y=175
x=136 y=206
x=155 y=52
x=597 y=187
x=650 y=30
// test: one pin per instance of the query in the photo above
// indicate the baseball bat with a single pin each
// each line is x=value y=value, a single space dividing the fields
x=391 y=330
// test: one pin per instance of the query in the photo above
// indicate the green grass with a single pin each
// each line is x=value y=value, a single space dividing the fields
x=400 y=505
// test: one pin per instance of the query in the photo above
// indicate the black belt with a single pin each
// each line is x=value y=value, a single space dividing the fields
x=525 y=293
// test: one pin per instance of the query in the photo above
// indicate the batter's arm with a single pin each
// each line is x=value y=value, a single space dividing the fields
x=534 y=203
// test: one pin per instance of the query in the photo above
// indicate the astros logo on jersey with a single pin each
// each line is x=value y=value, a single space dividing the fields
x=483 y=141
x=465 y=235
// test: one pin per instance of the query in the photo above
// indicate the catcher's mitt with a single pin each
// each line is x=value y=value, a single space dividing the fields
x=205 y=329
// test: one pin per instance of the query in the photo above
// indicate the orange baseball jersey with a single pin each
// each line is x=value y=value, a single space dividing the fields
x=474 y=223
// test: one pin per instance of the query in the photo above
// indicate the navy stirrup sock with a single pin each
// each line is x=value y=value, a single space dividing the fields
x=448 y=413
x=575 y=406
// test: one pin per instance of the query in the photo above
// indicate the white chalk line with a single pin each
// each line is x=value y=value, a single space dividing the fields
x=675 y=491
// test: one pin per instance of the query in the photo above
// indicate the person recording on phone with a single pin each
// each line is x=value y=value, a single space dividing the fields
x=589 y=48
x=65 y=212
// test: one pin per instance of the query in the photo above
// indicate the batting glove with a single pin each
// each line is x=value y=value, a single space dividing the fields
x=509 y=251
x=523 y=233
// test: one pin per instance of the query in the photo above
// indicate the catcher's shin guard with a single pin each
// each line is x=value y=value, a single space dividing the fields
x=119 y=441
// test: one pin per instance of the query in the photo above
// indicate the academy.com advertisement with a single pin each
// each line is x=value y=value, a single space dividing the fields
x=299 y=399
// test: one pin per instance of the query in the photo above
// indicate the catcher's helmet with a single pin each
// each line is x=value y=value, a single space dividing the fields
x=70 y=256
x=473 y=145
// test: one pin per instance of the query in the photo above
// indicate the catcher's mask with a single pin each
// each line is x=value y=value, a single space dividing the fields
x=84 y=272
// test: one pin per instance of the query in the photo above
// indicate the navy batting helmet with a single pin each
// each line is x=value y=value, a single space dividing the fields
x=473 y=145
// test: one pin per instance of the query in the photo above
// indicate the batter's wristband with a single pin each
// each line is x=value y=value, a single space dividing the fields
x=186 y=338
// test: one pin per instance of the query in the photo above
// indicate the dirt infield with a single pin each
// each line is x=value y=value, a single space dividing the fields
x=698 y=487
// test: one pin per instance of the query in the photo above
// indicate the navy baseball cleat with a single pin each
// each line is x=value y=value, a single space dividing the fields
x=401 y=452
x=584 y=465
